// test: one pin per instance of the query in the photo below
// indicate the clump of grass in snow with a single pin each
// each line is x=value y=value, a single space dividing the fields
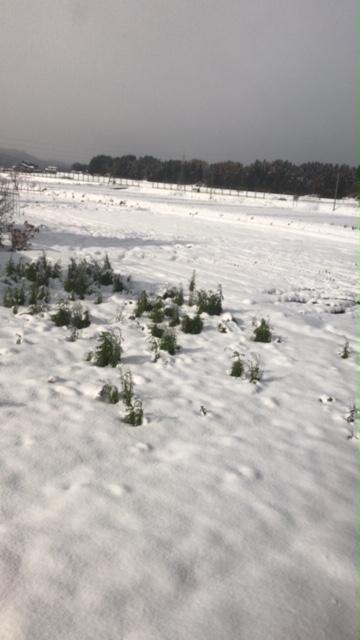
x=109 y=393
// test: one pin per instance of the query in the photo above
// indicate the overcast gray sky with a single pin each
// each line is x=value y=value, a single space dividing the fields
x=211 y=79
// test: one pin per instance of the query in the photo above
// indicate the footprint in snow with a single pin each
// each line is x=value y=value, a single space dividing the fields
x=119 y=490
x=141 y=447
x=326 y=399
x=249 y=472
x=233 y=477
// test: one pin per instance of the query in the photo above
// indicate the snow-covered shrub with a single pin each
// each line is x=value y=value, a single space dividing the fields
x=176 y=294
x=172 y=312
x=134 y=414
x=109 y=393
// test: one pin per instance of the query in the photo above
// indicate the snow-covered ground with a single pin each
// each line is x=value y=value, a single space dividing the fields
x=232 y=512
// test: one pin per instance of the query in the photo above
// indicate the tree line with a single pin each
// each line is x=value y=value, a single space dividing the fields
x=279 y=176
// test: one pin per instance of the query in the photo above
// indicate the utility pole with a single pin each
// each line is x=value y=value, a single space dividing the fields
x=336 y=189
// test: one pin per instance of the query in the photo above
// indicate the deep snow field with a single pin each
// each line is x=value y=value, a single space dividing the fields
x=232 y=512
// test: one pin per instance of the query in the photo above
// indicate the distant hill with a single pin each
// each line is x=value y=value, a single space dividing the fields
x=9 y=157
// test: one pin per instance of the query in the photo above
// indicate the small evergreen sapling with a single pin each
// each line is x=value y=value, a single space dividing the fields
x=118 y=284
x=142 y=304
x=192 y=325
x=154 y=346
x=83 y=275
x=99 y=298
x=262 y=333
x=127 y=385
x=192 y=289
x=353 y=413
x=39 y=296
x=80 y=319
x=345 y=353
x=63 y=315
x=135 y=414
x=175 y=294
x=237 y=369
x=38 y=273
x=168 y=342
x=157 y=315
x=179 y=296
x=41 y=270
x=12 y=269
x=38 y=292
x=256 y=371
x=172 y=312
x=210 y=302
x=109 y=350
x=71 y=317
x=15 y=297
x=156 y=331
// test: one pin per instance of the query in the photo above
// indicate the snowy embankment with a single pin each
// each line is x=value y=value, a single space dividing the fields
x=232 y=512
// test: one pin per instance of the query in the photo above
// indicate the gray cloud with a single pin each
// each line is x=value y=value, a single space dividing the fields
x=210 y=79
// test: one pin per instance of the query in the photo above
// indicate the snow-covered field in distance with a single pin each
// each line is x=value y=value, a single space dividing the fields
x=240 y=524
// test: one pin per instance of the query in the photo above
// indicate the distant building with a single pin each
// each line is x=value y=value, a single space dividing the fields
x=26 y=167
x=50 y=169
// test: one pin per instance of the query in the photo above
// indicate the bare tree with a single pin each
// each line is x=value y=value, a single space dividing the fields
x=7 y=206
x=19 y=235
